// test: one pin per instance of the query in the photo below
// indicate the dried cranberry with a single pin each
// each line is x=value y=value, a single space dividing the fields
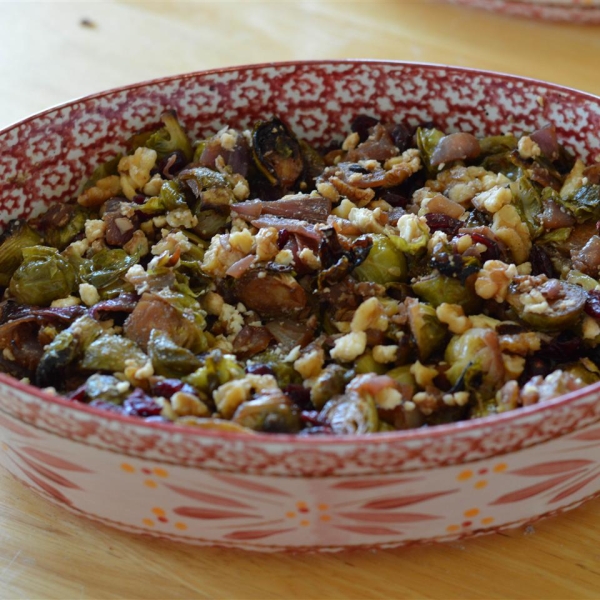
x=78 y=394
x=394 y=199
x=592 y=305
x=299 y=395
x=493 y=250
x=402 y=137
x=259 y=369
x=362 y=124
x=139 y=404
x=442 y=222
x=540 y=262
x=283 y=238
x=167 y=387
x=564 y=346
x=139 y=199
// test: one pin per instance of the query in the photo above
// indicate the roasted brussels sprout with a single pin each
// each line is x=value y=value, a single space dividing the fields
x=18 y=236
x=269 y=412
x=44 y=276
x=218 y=368
x=426 y=328
x=277 y=153
x=169 y=359
x=437 y=289
x=350 y=414
x=547 y=304
x=110 y=353
x=170 y=138
x=384 y=264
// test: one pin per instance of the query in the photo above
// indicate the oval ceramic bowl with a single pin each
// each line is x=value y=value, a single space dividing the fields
x=276 y=492
x=583 y=12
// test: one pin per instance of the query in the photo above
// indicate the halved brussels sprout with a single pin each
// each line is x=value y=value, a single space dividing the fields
x=547 y=304
x=169 y=198
x=428 y=331
x=350 y=414
x=277 y=153
x=110 y=352
x=104 y=387
x=269 y=412
x=208 y=186
x=43 y=276
x=169 y=359
x=107 y=266
x=427 y=140
x=18 y=236
x=384 y=264
x=437 y=289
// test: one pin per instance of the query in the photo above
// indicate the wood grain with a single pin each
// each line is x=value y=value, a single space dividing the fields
x=46 y=57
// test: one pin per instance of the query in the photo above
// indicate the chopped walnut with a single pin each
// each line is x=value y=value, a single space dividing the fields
x=310 y=364
x=230 y=395
x=135 y=170
x=369 y=315
x=349 y=346
x=494 y=280
x=266 y=243
x=509 y=228
x=104 y=189
x=453 y=315
x=493 y=200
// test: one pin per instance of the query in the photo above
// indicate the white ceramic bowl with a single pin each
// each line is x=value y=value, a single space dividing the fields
x=275 y=492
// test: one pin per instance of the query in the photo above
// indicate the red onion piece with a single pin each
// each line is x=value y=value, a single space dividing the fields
x=456 y=146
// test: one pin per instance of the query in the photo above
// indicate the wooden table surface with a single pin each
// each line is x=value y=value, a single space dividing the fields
x=51 y=52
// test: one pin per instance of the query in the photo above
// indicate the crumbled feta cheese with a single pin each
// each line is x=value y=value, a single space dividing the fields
x=65 y=302
x=349 y=346
x=182 y=217
x=89 y=294
x=94 y=229
x=528 y=148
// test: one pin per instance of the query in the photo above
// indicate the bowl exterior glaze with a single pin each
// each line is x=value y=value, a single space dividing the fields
x=281 y=492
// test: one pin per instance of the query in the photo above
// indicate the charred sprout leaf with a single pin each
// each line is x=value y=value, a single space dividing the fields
x=437 y=289
x=497 y=144
x=170 y=138
x=385 y=263
x=218 y=368
x=277 y=153
x=426 y=328
x=107 y=266
x=61 y=237
x=169 y=359
x=269 y=412
x=65 y=349
x=528 y=203
x=210 y=187
x=555 y=236
x=407 y=242
x=169 y=198
x=19 y=236
x=110 y=352
x=350 y=414
x=110 y=167
x=547 y=304
x=44 y=276
x=584 y=203
x=427 y=140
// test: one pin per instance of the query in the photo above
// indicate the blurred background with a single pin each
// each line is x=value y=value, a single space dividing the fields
x=53 y=51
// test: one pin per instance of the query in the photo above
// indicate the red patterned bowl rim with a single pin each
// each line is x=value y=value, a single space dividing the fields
x=437 y=431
